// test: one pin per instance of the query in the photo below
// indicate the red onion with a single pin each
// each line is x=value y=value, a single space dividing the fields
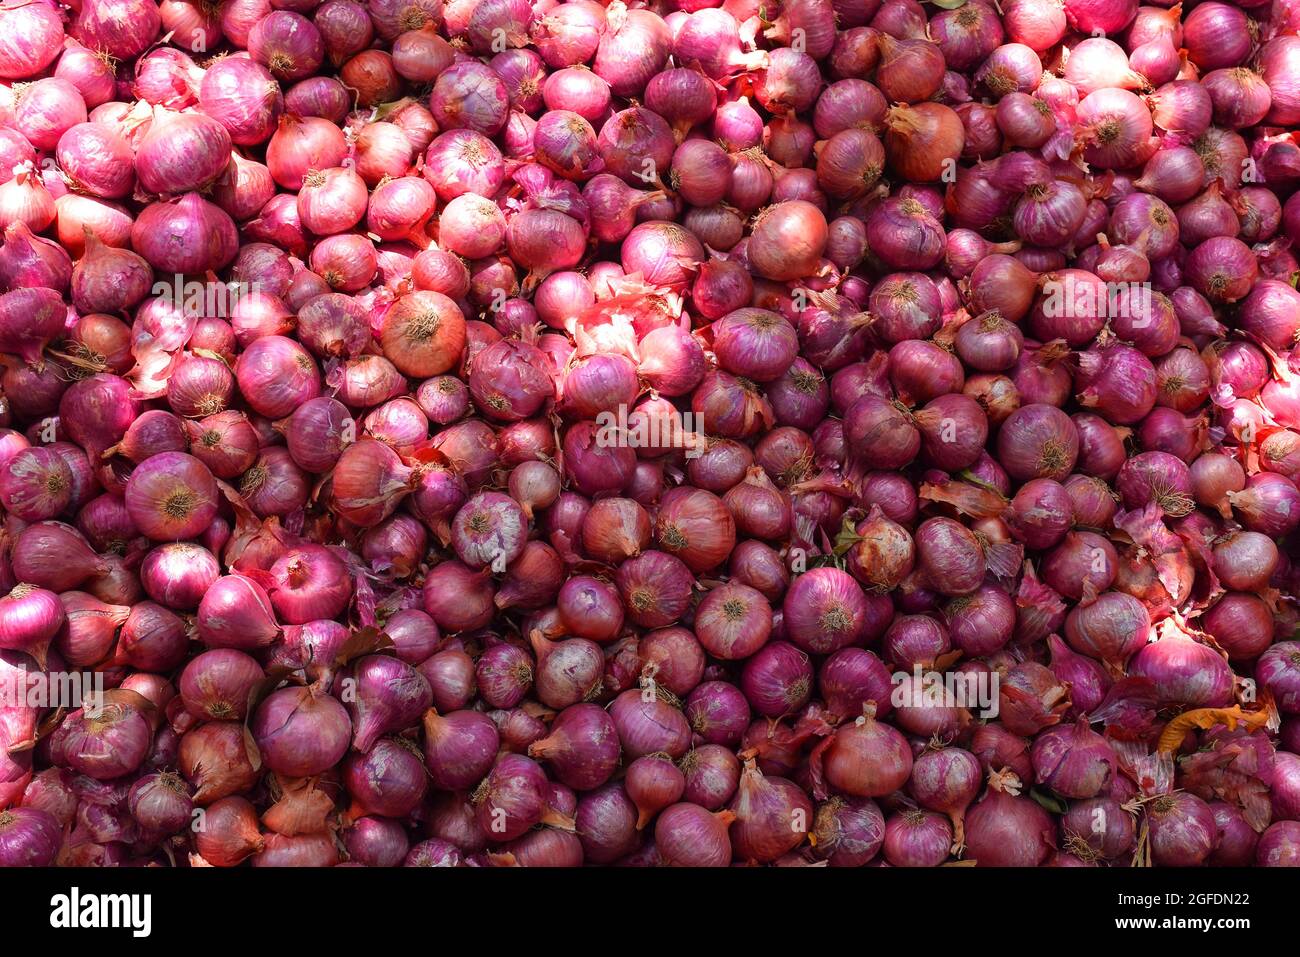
x=166 y=235
x=235 y=612
x=178 y=575
x=89 y=629
x=1074 y=761
x=950 y=556
x=787 y=240
x=686 y=835
x=46 y=109
x=532 y=581
x=849 y=831
x=388 y=780
x=31 y=318
x=904 y=234
x=214 y=759
x=243 y=97
x=225 y=442
x=504 y=674
x=418 y=55
x=230 y=833
x=915 y=838
x=1006 y=830
x=733 y=621
x=1102 y=824
x=301 y=144
x=647 y=725
x=1000 y=283
x=696 y=527
x=982 y=622
x=1267 y=503
x=1030 y=698
x=1184 y=671
x=1267 y=314
x=1240 y=623
x=589 y=607
x=33 y=35
x=463 y=161
x=109 y=741
x=53 y=555
x=372 y=75
x=1244 y=560
x=309 y=582
x=97 y=159
x=1222 y=269
x=277 y=375
x=389 y=696
x=244 y=188
x=304 y=850
x=825 y=610
x=469 y=95
x=1276 y=671
x=29 y=836
x=717 y=712
x=217 y=684
x=750 y=342
x=567 y=671
x=1277 y=845
x=581 y=748
x=1182 y=830
x=511 y=799
x=458 y=748
x=652 y=783
x=171 y=496
x=450 y=674
x=1236 y=840
x=24 y=198
x=772 y=816
x=152 y=638
x=1155 y=477
x=605 y=820
x=30 y=617
x=35 y=484
x=598 y=385
x=299 y=732
x=867 y=758
x=947 y=780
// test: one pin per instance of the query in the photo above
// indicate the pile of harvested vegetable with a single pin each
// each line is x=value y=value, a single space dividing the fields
x=483 y=432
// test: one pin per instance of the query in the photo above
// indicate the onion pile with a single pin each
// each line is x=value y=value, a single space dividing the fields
x=555 y=433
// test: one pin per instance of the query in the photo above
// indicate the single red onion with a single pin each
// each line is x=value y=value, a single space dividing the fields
x=152 y=638
x=1004 y=829
x=581 y=747
x=29 y=837
x=459 y=748
x=300 y=732
x=647 y=724
x=1184 y=671
x=389 y=695
x=867 y=758
x=1182 y=830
